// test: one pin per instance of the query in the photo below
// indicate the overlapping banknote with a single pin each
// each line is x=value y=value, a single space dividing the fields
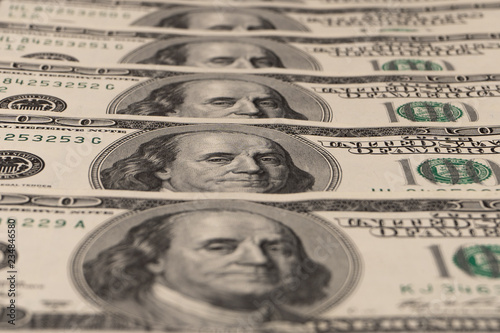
x=105 y=262
x=155 y=155
x=350 y=3
x=450 y=53
x=436 y=17
x=249 y=166
x=73 y=90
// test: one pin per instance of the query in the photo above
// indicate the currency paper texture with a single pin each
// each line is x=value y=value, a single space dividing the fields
x=167 y=156
x=332 y=56
x=435 y=17
x=329 y=3
x=117 y=262
x=75 y=90
x=249 y=166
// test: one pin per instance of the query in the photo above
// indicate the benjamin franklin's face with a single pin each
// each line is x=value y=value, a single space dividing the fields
x=226 y=162
x=229 y=259
x=226 y=21
x=228 y=55
x=231 y=99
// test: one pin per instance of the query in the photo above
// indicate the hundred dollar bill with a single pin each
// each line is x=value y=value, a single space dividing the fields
x=117 y=262
x=365 y=2
x=333 y=56
x=329 y=2
x=77 y=91
x=218 y=156
x=464 y=16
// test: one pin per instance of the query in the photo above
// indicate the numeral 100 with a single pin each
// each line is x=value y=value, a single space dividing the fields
x=452 y=171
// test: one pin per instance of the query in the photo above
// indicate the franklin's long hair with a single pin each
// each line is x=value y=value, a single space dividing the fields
x=120 y=272
x=164 y=101
x=137 y=172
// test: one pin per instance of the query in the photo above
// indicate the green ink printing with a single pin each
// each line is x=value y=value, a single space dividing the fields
x=411 y=65
x=429 y=111
x=454 y=171
x=479 y=260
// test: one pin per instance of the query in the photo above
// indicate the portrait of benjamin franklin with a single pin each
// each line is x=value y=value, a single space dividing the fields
x=216 y=20
x=223 y=52
x=221 y=19
x=214 y=260
x=208 y=161
x=217 y=263
x=223 y=157
x=222 y=95
x=214 y=98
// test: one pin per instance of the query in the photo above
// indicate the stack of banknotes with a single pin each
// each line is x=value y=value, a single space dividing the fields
x=235 y=166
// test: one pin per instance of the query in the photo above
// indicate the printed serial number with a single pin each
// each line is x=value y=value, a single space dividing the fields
x=50 y=138
x=45 y=223
x=58 y=84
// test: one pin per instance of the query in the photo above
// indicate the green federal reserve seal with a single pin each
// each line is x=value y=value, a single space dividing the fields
x=411 y=65
x=429 y=111
x=454 y=171
x=482 y=260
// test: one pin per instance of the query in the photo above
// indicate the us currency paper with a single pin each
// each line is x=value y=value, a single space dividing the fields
x=364 y=2
x=294 y=3
x=436 y=17
x=327 y=2
x=220 y=156
x=343 y=56
x=77 y=91
x=116 y=262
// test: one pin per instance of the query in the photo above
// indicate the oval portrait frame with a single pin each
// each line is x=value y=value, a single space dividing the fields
x=291 y=57
x=305 y=154
x=280 y=21
x=345 y=265
x=298 y=98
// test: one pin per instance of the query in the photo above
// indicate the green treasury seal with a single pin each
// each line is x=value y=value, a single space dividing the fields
x=411 y=65
x=429 y=111
x=483 y=260
x=454 y=171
